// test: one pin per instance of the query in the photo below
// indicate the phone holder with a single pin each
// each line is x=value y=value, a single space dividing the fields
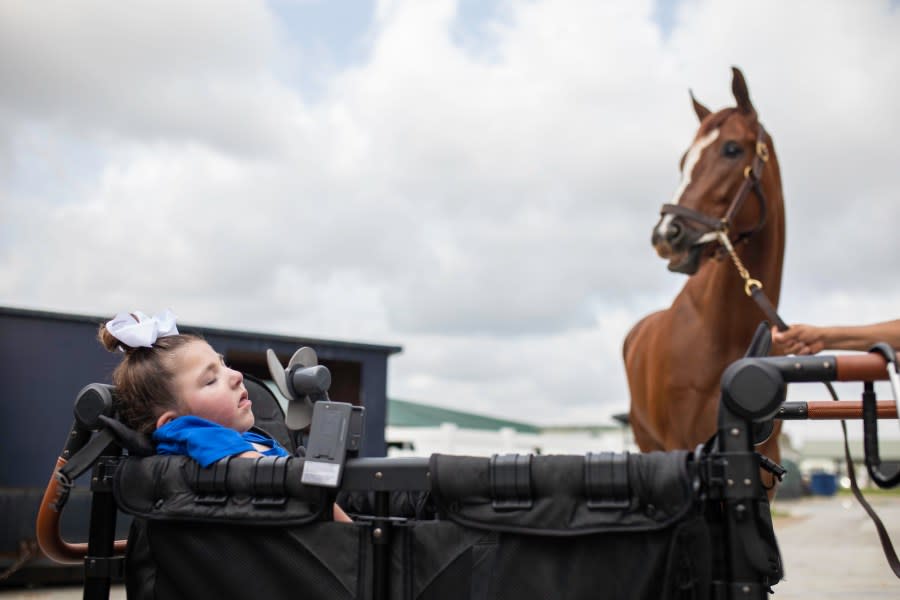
x=335 y=435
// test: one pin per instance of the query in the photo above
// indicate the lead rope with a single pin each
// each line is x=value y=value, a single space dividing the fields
x=749 y=282
x=752 y=287
x=889 y=553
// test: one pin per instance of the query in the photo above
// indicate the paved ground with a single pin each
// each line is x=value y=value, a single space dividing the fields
x=56 y=593
x=829 y=546
x=830 y=549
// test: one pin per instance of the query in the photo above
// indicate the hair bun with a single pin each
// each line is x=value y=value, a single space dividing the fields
x=110 y=342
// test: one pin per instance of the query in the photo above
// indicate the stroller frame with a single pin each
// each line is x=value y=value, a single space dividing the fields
x=724 y=475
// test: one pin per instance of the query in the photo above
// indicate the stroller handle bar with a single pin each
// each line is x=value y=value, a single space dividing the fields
x=47 y=528
x=824 y=367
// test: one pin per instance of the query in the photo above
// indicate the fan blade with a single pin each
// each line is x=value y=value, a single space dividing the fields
x=299 y=413
x=305 y=357
x=299 y=409
x=278 y=374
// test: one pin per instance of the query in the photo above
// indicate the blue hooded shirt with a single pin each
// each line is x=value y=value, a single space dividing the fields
x=206 y=442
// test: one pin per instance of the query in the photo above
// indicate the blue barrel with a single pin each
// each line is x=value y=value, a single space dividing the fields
x=823 y=484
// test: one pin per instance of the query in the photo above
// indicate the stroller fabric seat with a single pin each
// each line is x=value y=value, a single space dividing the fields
x=634 y=530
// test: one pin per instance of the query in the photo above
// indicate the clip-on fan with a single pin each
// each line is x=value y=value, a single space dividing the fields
x=336 y=428
x=303 y=383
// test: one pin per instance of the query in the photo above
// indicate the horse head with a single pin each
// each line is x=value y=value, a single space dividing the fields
x=722 y=166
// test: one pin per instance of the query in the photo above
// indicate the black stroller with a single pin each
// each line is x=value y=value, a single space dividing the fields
x=679 y=525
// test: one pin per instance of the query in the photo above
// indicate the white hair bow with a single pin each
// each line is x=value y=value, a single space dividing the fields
x=137 y=330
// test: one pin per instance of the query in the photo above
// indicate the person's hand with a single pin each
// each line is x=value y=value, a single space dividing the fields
x=798 y=339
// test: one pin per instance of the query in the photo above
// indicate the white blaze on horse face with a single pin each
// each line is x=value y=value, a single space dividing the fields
x=690 y=161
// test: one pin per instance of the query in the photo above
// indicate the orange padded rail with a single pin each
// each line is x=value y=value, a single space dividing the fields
x=848 y=409
x=861 y=367
x=47 y=527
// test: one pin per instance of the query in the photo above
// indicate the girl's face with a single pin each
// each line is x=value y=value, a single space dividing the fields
x=206 y=388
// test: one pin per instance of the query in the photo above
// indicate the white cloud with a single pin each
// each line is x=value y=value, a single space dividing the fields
x=484 y=198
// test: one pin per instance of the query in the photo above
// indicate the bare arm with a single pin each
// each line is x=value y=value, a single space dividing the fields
x=339 y=515
x=810 y=339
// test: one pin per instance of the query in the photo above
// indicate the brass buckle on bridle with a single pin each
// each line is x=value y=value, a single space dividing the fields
x=750 y=284
x=762 y=152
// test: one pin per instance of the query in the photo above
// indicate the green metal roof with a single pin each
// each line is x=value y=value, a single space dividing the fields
x=402 y=413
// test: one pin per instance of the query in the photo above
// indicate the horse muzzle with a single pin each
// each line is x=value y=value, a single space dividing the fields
x=678 y=243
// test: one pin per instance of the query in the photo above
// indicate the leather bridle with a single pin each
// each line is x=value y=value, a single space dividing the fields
x=719 y=230
x=712 y=227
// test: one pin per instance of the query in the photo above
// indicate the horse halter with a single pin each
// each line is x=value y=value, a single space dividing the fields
x=720 y=229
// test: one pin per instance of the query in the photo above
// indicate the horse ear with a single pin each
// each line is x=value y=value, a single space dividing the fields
x=701 y=110
x=741 y=94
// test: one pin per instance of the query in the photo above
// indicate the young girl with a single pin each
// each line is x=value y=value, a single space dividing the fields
x=178 y=389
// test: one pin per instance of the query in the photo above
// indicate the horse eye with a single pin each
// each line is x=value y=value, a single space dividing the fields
x=731 y=150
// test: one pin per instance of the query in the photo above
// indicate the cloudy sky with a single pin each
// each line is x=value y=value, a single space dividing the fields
x=473 y=180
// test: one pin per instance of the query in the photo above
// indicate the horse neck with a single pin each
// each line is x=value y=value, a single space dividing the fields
x=717 y=290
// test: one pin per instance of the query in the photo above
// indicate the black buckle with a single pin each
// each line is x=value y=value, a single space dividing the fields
x=511 y=482
x=771 y=466
x=211 y=483
x=102 y=476
x=269 y=476
x=606 y=480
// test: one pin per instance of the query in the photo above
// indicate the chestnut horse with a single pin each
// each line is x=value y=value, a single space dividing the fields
x=730 y=195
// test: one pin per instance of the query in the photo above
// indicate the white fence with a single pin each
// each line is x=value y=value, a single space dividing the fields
x=450 y=439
